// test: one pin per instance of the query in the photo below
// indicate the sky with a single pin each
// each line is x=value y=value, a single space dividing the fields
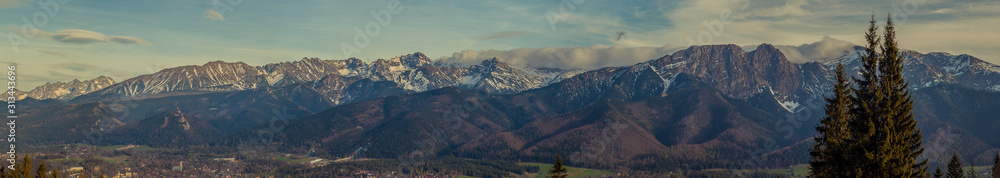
x=62 y=40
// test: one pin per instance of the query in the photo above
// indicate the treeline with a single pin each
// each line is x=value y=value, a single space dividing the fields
x=955 y=168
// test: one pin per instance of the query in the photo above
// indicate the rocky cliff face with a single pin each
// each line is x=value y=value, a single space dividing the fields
x=67 y=90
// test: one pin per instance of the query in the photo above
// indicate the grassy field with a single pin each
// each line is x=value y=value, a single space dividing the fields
x=65 y=160
x=293 y=161
x=112 y=147
x=116 y=159
x=145 y=148
x=573 y=171
x=979 y=169
x=802 y=170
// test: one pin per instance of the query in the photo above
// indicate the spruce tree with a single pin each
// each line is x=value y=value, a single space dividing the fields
x=972 y=172
x=880 y=138
x=827 y=155
x=26 y=166
x=558 y=170
x=955 y=167
x=865 y=120
x=4 y=171
x=42 y=170
x=902 y=145
x=938 y=173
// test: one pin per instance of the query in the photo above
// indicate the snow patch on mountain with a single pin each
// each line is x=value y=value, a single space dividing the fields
x=668 y=81
x=416 y=83
x=470 y=80
x=675 y=65
x=789 y=105
x=956 y=66
x=995 y=88
x=987 y=67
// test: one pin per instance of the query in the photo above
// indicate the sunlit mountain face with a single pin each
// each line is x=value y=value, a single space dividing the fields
x=391 y=88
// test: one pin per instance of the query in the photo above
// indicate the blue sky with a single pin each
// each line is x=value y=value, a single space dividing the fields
x=84 y=39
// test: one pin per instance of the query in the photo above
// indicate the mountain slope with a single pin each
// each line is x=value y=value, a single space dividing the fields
x=69 y=90
x=170 y=128
x=226 y=112
x=535 y=124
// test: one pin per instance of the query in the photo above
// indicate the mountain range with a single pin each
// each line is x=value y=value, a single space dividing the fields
x=337 y=80
x=66 y=90
x=702 y=107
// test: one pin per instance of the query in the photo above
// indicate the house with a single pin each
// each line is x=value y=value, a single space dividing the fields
x=178 y=168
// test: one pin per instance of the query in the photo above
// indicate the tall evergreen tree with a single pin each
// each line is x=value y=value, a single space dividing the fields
x=26 y=168
x=938 y=173
x=4 y=171
x=871 y=133
x=828 y=154
x=865 y=121
x=42 y=171
x=558 y=170
x=902 y=145
x=882 y=138
x=972 y=172
x=955 y=167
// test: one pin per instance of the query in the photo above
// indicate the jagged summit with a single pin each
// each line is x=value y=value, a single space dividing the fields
x=69 y=90
x=491 y=62
x=414 y=60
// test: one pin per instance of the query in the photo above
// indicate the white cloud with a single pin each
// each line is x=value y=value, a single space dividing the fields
x=791 y=8
x=212 y=14
x=935 y=26
x=80 y=36
x=128 y=40
x=970 y=8
x=827 y=48
x=597 y=56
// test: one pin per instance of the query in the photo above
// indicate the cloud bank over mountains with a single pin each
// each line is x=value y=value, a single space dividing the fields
x=827 y=48
x=587 y=57
x=597 y=56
